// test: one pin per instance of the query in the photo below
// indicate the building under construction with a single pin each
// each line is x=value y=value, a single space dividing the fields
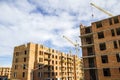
x=5 y=72
x=101 y=49
x=37 y=62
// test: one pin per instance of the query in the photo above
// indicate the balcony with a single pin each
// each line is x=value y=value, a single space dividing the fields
x=70 y=71
x=70 y=75
x=63 y=61
x=89 y=68
x=69 y=57
x=46 y=63
x=46 y=57
x=69 y=61
x=47 y=70
x=90 y=56
x=86 y=35
x=46 y=52
x=87 y=45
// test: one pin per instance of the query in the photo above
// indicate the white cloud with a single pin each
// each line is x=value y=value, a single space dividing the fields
x=40 y=21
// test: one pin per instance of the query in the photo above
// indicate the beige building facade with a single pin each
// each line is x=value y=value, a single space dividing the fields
x=37 y=62
x=101 y=49
x=5 y=72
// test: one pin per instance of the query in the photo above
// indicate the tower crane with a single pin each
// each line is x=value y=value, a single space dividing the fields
x=76 y=45
x=101 y=9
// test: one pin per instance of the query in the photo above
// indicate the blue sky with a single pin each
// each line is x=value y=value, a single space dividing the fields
x=45 y=22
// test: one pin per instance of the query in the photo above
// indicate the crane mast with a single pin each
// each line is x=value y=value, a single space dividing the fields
x=70 y=41
x=76 y=45
x=101 y=9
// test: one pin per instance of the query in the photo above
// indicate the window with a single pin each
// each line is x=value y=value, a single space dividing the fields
x=39 y=66
x=24 y=66
x=88 y=40
x=118 y=57
x=23 y=75
x=60 y=57
x=118 y=31
x=104 y=59
x=56 y=73
x=48 y=56
x=48 y=67
x=48 y=74
x=16 y=60
x=102 y=46
x=110 y=21
x=119 y=70
x=56 y=62
x=115 y=44
x=100 y=35
x=119 y=42
x=116 y=20
x=17 y=53
x=91 y=62
x=56 y=57
x=16 y=66
x=14 y=74
x=52 y=56
x=56 y=67
x=48 y=62
x=39 y=74
x=52 y=62
x=52 y=51
x=52 y=67
x=89 y=51
x=99 y=24
x=24 y=59
x=40 y=59
x=41 y=46
x=112 y=32
x=106 y=72
x=87 y=30
x=52 y=73
x=40 y=53
x=25 y=52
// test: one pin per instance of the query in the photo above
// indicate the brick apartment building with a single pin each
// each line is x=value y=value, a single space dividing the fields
x=5 y=72
x=101 y=49
x=37 y=62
